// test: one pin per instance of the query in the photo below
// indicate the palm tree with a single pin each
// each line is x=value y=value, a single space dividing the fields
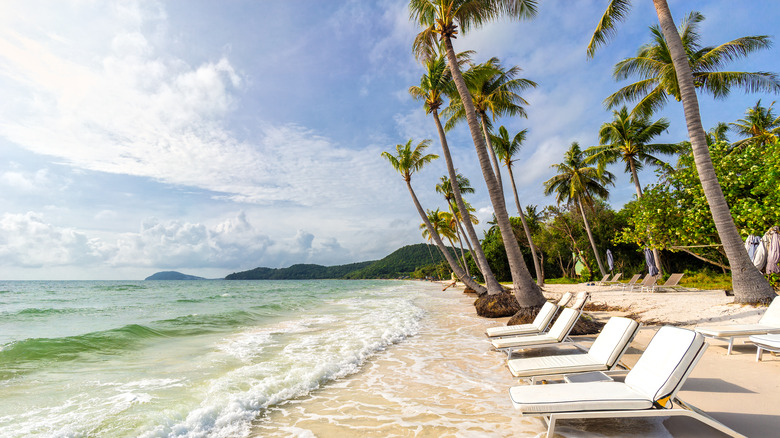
x=655 y=70
x=506 y=149
x=626 y=138
x=406 y=162
x=442 y=224
x=494 y=91
x=760 y=126
x=718 y=133
x=445 y=188
x=577 y=183
x=434 y=84
x=748 y=284
x=440 y=19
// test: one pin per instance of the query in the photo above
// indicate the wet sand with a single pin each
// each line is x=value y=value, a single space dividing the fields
x=446 y=382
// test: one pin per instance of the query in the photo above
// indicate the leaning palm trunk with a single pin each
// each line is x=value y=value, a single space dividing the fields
x=460 y=244
x=493 y=286
x=656 y=253
x=537 y=264
x=468 y=243
x=748 y=283
x=526 y=291
x=590 y=237
x=493 y=158
x=437 y=239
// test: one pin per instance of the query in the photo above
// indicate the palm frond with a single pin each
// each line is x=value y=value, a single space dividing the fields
x=617 y=10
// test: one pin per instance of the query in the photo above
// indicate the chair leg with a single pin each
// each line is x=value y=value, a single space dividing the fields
x=550 y=426
x=759 y=353
x=731 y=344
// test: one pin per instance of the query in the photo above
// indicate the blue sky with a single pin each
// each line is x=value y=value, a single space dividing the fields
x=211 y=137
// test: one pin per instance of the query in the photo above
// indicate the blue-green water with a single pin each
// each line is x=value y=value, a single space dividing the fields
x=190 y=358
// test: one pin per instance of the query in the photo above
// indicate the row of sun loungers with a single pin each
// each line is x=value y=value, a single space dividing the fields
x=648 y=389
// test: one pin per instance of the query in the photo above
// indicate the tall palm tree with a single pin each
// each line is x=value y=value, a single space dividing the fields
x=577 y=183
x=626 y=138
x=760 y=126
x=442 y=224
x=407 y=161
x=748 y=284
x=494 y=91
x=434 y=84
x=440 y=19
x=506 y=150
x=655 y=70
x=445 y=189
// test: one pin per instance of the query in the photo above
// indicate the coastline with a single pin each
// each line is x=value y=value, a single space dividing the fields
x=446 y=381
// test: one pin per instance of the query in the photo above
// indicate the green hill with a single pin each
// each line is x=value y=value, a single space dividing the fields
x=401 y=262
x=172 y=275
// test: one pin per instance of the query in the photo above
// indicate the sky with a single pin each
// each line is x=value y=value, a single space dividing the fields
x=213 y=137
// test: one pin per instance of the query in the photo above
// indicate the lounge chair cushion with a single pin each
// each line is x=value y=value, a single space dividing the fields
x=557 y=364
x=769 y=323
x=612 y=340
x=579 y=302
x=770 y=341
x=578 y=397
x=524 y=341
x=736 y=330
x=662 y=367
x=539 y=323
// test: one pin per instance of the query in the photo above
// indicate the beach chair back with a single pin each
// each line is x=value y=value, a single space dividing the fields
x=605 y=278
x=544 y=316
x=634 y=279
x=613 y=340
x=668 y=360
x=772 y=315
x=564 y=324
x=616 y=277
x=673 y=280
x=579 y=303
x=649 y=281
x=565 y=299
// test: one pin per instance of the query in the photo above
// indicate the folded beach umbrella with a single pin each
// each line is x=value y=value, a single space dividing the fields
x=610 y=260
x=651 y=269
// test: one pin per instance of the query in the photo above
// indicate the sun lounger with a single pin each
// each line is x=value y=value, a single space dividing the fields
x=647 y=282
x=603 y=355
x=648 y=390
x=614 y=280
x=769 y=323
x=630 y=283
x=671 y=283
x=558 y=333
x=539 y=324
x=543 y=318
x=765 y=343
x=604 y=281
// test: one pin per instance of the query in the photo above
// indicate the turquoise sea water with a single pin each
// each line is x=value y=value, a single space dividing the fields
x=189 y=358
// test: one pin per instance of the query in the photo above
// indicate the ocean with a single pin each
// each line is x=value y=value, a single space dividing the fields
x=183 y=358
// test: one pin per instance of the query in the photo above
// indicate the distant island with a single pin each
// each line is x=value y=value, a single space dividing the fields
x=172 y=275
x=402 y=262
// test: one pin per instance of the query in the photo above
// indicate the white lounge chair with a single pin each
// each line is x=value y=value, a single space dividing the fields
x=565 y=299
x=648 y=390
x=539 y=324
x=769 y=323
x=558 y=333
x=614 y=280
x=765 y=343
x=603 y=355
x=647 y=283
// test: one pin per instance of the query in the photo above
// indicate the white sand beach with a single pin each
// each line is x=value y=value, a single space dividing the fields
x=446 y=381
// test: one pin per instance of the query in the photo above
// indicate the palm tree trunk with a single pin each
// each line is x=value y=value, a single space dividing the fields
x=526 y=291
x=656 y=253
x=590 y=237
x=537 y=264
x=468 y=244
x=437 y=239
x=493 y=286
x=493 y=158
x=460 y=243
x=748 y=283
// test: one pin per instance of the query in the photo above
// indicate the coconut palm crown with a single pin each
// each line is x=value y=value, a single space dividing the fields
x=760 y=126
x=653 y=66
